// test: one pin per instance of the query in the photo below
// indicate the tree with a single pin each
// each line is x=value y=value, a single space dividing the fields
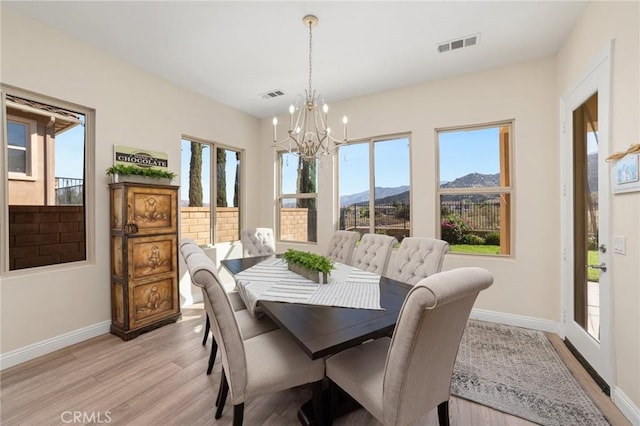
x=307 y=175
x=195 y=171
x=306 y=182
x=221 y=173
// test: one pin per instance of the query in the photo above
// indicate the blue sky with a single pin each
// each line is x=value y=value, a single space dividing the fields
x=474 y=151
x=70 y=153
x=206 y=171
x=461 y=152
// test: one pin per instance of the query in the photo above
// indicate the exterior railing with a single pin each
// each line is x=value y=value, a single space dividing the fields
x=69 y=191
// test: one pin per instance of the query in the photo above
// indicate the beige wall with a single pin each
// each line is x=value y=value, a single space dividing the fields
x=600 y=23
x=527 y=283
x=133 y=108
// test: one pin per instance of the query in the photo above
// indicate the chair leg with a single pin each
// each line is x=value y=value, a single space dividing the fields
x=212 y=355
x=223 y=396
x=333 y=401
x=443 y=413
x=317 y=402
x=207 y=327
x=238 y=414
x=222 y=382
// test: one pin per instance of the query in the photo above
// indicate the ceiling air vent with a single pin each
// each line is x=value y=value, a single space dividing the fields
x=459 y=43
x=272 y=94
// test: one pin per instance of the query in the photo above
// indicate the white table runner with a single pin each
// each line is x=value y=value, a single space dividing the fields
x=348 y=287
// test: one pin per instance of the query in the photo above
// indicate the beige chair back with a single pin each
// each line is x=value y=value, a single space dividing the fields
x=418 y=258
x=373 y=253
x=257 y=242
x=341 y=246
x=223 y=324
x=425 y=343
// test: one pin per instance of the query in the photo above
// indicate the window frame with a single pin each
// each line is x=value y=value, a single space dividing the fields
x=31 y=149
x=89 y=181
x=280 y=196
x=213 y=184
x=371 y=141
x=509 y=189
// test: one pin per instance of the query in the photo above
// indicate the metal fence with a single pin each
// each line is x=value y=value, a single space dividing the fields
x=358 y=215
x=480 y=216
x=69 y=191
x=483 y=216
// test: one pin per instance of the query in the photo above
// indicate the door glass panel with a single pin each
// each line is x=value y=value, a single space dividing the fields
x=586 y=240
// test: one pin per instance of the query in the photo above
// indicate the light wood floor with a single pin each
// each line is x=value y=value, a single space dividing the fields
x=159 y=378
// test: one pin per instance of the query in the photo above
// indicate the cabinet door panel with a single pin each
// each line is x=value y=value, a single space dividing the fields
x=150 y=301
x=153 y=210
x=151 y=256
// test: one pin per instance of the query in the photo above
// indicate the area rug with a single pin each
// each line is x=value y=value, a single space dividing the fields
x=517 y=371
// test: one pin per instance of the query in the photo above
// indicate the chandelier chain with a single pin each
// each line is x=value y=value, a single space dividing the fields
x=310 y=54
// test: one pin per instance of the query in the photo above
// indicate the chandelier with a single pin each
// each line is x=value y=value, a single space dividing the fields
x=309 y=135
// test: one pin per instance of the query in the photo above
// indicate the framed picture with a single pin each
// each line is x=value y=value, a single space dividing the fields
x=625 y=174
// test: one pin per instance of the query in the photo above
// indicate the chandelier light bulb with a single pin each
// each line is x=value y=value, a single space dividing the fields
x=275 y=121
x=345 y=120
x=325 y=108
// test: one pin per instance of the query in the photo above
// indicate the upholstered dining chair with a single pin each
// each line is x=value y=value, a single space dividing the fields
x=341 y=246
x=249 y=325
x=373 y=253
x=257 y=242
x=402 y=378
x=417 y=258
x=266 y=363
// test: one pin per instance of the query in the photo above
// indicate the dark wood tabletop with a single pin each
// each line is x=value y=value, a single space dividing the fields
x=326 y=330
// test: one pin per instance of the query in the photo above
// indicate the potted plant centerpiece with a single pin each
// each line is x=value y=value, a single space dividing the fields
x=310 y=265
x=123 y=173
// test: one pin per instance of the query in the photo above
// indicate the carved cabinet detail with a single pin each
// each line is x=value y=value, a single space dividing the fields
x=144 y=258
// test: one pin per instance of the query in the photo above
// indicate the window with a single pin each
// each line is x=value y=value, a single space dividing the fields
x=46 y=147
x=374 y=186
x=197 y=191
x=20 y=148
x=475 y=188
x=297 y=198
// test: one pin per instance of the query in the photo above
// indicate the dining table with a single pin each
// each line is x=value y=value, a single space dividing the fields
x=321 y=330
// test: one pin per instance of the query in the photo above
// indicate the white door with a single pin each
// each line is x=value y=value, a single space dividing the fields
x=586 y=270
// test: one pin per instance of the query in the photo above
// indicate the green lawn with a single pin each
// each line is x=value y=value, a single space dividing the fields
x=593 y=274
x=467 y=248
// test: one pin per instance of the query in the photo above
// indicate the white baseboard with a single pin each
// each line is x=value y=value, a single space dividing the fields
x=548 y=326
x=29 y=352
x=626 y=406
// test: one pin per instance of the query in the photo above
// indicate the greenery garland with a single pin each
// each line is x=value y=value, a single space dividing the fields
x=123 y=170
x=308 y=260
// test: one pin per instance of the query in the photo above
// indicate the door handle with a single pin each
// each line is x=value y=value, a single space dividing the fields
x=602 y=267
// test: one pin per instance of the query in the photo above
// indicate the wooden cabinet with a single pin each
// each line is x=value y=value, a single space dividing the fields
x=144 y=257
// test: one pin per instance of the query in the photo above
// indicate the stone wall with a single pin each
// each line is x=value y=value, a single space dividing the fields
x=293 y=224
x=196 y=224
x=45 y=235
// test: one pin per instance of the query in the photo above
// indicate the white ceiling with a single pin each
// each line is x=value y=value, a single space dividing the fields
x=234 y=51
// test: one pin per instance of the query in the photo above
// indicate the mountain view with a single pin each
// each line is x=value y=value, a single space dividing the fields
x=401 y=193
